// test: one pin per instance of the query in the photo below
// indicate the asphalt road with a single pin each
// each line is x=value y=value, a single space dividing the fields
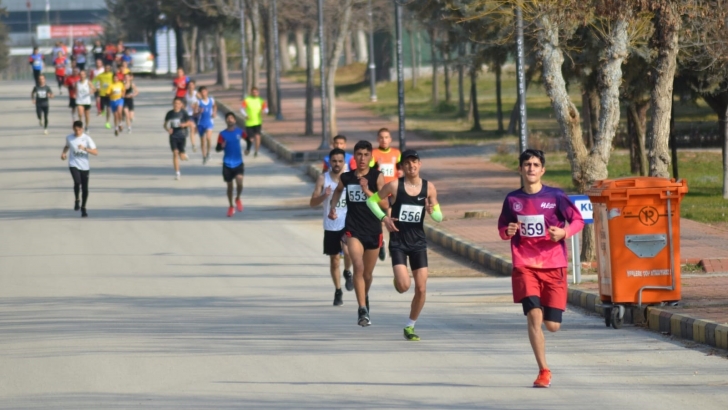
x=159 y=301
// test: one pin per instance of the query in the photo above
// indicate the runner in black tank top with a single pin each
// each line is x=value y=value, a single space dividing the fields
x=411 y=198
x=363 y=230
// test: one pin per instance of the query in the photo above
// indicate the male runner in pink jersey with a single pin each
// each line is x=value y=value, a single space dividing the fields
x=534 y=220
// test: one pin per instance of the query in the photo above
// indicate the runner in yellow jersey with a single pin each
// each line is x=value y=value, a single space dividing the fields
x=253 y=108
x=102 y=82
x=116 y=102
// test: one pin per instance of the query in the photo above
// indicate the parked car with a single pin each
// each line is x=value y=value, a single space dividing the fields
x=142 y=58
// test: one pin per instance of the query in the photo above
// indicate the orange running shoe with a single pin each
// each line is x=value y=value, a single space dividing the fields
x=239 y=205
x=231 y=212
x=543 y=379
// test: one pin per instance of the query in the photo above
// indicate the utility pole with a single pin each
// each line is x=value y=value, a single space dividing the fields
x=243 y=56
x=372 y=64
x=322 y=54
x=400 y=72
x=522 y=120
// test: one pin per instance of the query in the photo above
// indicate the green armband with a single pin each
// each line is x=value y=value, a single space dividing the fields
x=373 y=204
x=436 y=213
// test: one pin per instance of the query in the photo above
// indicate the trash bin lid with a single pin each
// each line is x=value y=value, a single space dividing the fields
x=623 y=188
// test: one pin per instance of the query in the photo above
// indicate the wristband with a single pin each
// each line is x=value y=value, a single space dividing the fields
x=436 y=213
x=373 y=204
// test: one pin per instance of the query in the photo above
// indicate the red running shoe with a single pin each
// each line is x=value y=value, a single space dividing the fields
x=231 y=212
x=543 y=379
x=239 y=205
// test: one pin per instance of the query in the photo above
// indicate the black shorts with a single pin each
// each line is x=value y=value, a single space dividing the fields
x=86 y=107
x=417 y=259
x=252 y=131
x=549 y=314
x=177 y=144
x=129 y=103
x=369 y=242
x=228 y=174
x=332 y=242
x=81 y=66
x=72 y=103
x=105 y=101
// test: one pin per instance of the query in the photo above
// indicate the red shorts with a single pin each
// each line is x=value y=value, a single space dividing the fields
x=550 y=285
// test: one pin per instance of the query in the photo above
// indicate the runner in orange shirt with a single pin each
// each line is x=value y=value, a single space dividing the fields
x=386 y=159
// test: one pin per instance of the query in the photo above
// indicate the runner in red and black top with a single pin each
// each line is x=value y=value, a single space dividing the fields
x=70 y=83
x=180 y=84
x=363 y=230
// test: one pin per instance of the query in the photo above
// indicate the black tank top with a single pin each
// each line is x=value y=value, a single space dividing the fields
x=359 y=218
x=410 y=214
x=129 y=92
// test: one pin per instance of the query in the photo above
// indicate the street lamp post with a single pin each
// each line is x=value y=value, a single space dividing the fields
x=521 y=81
x=400 y=72
x=277 y=57
x=243 y=56
x=372 y=64
x=322 y=54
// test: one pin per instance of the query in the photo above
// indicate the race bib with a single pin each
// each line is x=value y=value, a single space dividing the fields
x=410 y=213
x=342 y=201
x=387 y=169
x=41 y=94
x=532 y=226
x=175 y=123
x=356 y=194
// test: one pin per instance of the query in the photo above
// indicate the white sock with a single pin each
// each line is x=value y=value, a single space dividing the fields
x=410 y=323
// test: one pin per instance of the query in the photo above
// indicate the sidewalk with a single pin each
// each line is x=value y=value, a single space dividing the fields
x=467 y=181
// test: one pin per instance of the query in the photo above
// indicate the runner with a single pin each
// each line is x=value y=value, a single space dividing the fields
x=180 y=83
x=92 y=76
x=126 y=57
x=79 y=54
x=120 y=49
x=60 y=64
x=349 y=162
x=252 y=109
x=533 y=219
x=103 y=84
x=70 y=83
x=130 y=92
x=109 y=54
x=36 y=62
x=206 y=113
x=386 y=159
x=98 y=50
x=79 y=145
x=40 y=95
x=363 y=229
x=116 y=102
x=174 y=122
x=232 y=160
x=122 y=71
x=334 y=229
x=411 y=196
x=191 y=103
x=84 y=92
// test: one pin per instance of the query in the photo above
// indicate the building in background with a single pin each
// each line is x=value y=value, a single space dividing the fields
x=61 y=20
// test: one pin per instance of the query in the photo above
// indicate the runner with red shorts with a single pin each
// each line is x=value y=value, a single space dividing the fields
x=386 y=159
x=363 y=230
x=534 y=220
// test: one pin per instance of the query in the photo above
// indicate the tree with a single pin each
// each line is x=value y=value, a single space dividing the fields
x=4 y=49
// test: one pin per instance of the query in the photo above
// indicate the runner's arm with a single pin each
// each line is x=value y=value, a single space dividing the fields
x=433 y=207
x=248 y=143
x=319 y=194
x=373 y=202
x=265 y=107
x=220 y=143
x=337 y=194
x=506 y=222
x=32 y=95
x=243 y=106
x=572 y=215
x=64 y=152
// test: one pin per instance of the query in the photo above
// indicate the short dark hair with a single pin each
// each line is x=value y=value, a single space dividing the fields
x=363 y=145
x=530 y=153
x=77 y=124
x=202 y=88
x=230 y=114
x=381 y=130
x=253 y=89
x=180 y=99
x=340 y=137
x=337 y=151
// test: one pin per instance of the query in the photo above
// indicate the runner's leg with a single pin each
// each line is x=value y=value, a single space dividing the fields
x=76 y=175
x=418 y=302
x=128 y=117
x=257 y=143
x=356 y=250
x=45 y=117
x=230 y=193
x=81 y=114
x=370 y=260
x=535 y=336
x=334 y=269
x=239 y=182
x=175 y=160
x=84 y=188
x=347 y=256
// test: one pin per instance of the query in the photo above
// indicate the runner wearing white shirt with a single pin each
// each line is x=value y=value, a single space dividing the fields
x=84 y=92
x=79 y=145
x=191 y=103
x=334 y=228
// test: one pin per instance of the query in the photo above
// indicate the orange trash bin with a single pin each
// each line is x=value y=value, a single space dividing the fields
x=637 y=229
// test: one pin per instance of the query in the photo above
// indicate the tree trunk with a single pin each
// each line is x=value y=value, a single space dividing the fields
x=348 y=51
x=513 y=120
x=594 y=113
x=341 y=35
x=446 y=72
x=362 y=52
x=191 y=50
x=222 y=71
x=301 y=53
x=461 y=85
x=309 y=82
x=201 y=46
x=667 y=27
x=474 y=99
x=255 y=29
x=637 y=130
x=270 y=64
x=283 y=51
x=498 y=101
x=413 y=58
x=435 y=84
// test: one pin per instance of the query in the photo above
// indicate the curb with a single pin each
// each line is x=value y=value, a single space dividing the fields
x=279 y=149
x=659 y=320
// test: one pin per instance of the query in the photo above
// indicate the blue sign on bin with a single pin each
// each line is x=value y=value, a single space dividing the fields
x=583 y=203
